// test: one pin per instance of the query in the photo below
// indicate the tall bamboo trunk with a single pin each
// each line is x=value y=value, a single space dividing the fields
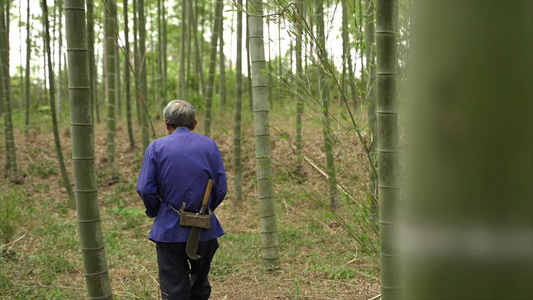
x=164 y=50
x=142 y=91
x=57 y=141
x=110 y=54
x=232 y=30
x=198 y=52
x=189 y=54
x=136 y=62
x=351 y=83
x=92 y=63
x=82 y=131
x=127 y=76
x=388 y=147
x=237 y=134
x=348 y=76
x=269 y=63
x=160 y=52
x=118 y=84
x=280 y=66
x=212 y=65
x=345 y=43
x=182 y=81
x=11 y=157
x=248 y=61
x=222 y=63
x=28 y=68
x=201 y=18
x=467 y=210
x=153 y=60
x=370 y=54
x=265 y=185
x=299 y=79
x=324 y=94
x=60 y=67
x=358 y=94
x=21 y=75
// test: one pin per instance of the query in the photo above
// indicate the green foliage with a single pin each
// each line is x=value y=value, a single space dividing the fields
x=238 y=249
x=197 y=100
x=10 y=216
x=50 y=266
x=42 y=169
x=130 y=218
x=5 y=282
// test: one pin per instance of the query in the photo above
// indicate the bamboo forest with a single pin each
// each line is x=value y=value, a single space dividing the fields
x=373 y=149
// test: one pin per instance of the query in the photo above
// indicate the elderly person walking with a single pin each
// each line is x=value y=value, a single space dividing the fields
x=173 y=178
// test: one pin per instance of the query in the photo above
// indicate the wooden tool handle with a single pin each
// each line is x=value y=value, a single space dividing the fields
x=210 y=183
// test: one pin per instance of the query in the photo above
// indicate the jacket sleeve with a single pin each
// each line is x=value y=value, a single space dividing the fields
x=221 y=185
x=147 y=183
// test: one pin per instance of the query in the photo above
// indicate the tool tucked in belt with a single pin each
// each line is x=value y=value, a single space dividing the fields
x=197 y=222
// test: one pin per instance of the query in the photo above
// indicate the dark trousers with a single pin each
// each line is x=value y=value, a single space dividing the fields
x=181 y=278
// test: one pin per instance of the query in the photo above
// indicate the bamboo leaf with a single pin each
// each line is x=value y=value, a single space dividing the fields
x=344 y=117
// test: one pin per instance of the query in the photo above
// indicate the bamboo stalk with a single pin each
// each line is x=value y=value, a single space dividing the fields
x=83 y=155
x=388 y=148
x=212 y=64
x=265 y=186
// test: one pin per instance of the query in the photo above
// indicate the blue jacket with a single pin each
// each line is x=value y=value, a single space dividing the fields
x=175 y=170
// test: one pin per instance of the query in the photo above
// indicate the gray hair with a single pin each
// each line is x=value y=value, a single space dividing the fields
x=179 y=113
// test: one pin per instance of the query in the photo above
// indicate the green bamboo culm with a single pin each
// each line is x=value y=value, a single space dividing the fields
x=222 y=62
x=11 y=157
x=59 y=6
x=300 y=77
x=57 y=141
x=83 y=155
x=142 y=91
x=118 y=88
x=27 y=70
x=92 y=63
x=182 y=81
x=467 y=209
x=248 y=62
x=164 y=46
x=326 y=124
x=237 y=134
x=345 y=41
x=370 y=55
x=347 y=58
x=111 y=35
x=212 y=65
x=160 y=81
x=127 y=76
x=136 y=61
x=265 y=185
x=388 y=148
x=192 y=9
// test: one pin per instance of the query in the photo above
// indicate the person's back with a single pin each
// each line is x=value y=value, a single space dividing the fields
x=173 y=177
x=183 y=163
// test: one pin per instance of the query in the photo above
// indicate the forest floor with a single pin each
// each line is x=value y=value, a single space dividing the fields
x=324 y=254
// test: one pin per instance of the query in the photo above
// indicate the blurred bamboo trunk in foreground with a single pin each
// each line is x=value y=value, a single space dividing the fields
x=467 y=217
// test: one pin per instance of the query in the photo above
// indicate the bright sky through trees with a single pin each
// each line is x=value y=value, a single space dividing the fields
x=333 y=15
